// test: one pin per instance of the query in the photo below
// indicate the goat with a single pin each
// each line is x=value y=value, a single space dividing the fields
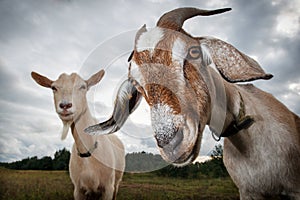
x=97 y=163
x=190 y=82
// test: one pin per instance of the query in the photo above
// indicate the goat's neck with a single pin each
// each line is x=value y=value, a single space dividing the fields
x=83 y=141
x=234 y=100
x=225 y=104
x=239 y=141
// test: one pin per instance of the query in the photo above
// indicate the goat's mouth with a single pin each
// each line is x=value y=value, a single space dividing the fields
x=65 y=115
x=183 y=148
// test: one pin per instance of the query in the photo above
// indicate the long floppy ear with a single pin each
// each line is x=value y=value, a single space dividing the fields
x=127 y=100
x=94 y=79
x=233 y=65
x=41 y=80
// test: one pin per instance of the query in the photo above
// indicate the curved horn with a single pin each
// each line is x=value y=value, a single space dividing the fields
x=175 y=18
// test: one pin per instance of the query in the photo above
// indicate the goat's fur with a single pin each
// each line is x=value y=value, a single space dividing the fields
x=262 y=160
x=189 y=82
x=98 y=175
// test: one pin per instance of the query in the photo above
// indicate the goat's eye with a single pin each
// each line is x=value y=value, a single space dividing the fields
x=194 y=52
x=82 y=87
x=54 y=89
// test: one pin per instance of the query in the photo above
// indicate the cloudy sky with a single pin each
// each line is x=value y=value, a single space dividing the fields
x=56 y=36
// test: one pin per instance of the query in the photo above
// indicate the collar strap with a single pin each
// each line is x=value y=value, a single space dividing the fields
x=89 y=152
x=240 y=122
x=236 y=126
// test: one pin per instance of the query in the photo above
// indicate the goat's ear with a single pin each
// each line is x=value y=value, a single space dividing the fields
x=233 y=65
x=93 y=80
x=127 y=100
x=41 y=80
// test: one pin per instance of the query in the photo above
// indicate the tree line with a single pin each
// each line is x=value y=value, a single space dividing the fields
x=135 y=162
x=60 y=162
x=213 y=168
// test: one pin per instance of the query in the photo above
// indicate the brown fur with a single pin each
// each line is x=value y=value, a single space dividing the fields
x=159 y=94
x=263 y=159
x=259 y=159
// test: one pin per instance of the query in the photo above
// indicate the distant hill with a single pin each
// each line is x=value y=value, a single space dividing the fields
x=144 y=162
x=135 y=162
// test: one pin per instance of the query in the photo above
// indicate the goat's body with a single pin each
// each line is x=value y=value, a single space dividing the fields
x=97 y=163
x=92 y=178
x=264 y=160
x=100 y=174
x=183 y=78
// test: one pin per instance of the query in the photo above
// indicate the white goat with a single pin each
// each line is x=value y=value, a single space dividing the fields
x=189 y=83
x=96 y=163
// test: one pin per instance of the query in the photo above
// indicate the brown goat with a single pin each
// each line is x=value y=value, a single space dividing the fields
x=190 y=82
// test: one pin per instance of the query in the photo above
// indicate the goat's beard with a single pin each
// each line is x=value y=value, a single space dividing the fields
x=66 y=127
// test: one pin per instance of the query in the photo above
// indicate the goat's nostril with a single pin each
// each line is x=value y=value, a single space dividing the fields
x=69 y=105
x=65 y=105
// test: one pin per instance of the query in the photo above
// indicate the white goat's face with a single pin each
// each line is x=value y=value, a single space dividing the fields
x=69 y=93
x=174 y=88
x=69 y=96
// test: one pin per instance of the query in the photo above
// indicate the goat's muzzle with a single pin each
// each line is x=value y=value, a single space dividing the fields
x=170 y=140
x=65 y=110
x=181 y=148
x=176 y=134
x=169 y=137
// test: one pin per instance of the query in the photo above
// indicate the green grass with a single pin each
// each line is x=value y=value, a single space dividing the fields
x=30 y=185
x=56 y=185
x=149 y=186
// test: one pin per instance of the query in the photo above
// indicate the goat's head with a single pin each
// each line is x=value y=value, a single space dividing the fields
x=172 y=70
x=69 y=93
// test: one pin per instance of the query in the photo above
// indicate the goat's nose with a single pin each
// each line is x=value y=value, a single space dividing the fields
x=65 y=105
x=169 y=138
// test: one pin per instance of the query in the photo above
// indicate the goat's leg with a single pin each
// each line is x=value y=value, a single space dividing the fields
x=109 y=192
x=118 y=179
x=115 y=192
x=79 y=194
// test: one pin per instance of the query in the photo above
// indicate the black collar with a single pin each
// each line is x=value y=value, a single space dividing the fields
x=89 y=152
x=240 y=122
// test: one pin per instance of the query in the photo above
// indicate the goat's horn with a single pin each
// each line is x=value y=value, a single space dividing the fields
x=175 y=18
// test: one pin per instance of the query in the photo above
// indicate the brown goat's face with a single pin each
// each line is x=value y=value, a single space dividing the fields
x=182 y=79
x=162 y=64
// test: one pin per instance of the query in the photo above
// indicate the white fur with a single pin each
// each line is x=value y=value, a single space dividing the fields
x=164 y=122
x=148 y=40
x=66 y=127
x=206 y=57
x=179 y=51
x=135 y=73
x=101 y=172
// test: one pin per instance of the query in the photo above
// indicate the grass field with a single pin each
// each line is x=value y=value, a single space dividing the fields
x=56 y=185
